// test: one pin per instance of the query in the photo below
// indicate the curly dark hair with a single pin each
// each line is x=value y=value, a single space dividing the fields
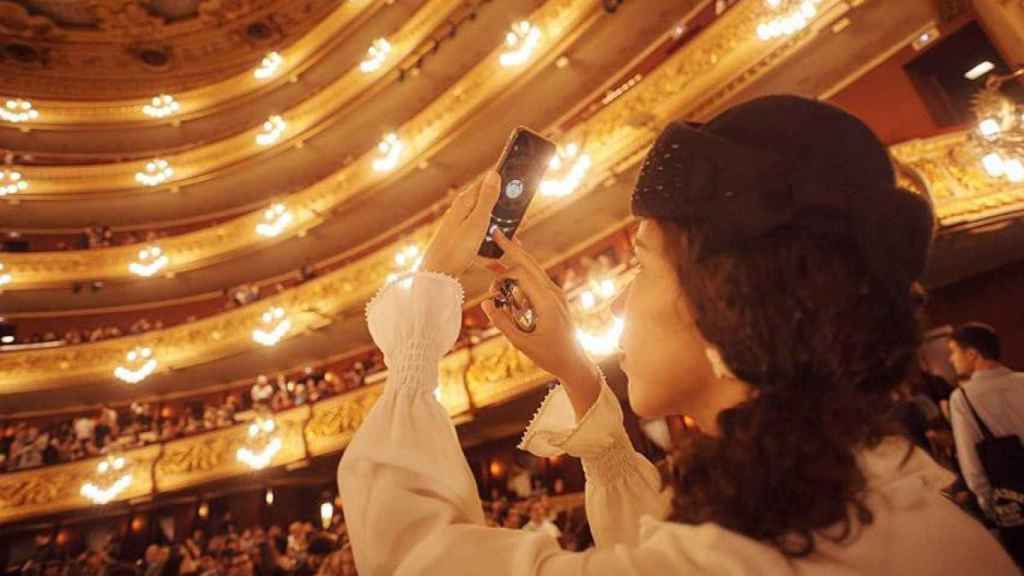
x=798 y=317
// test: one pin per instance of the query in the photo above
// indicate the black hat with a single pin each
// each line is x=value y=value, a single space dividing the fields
x=786 y=161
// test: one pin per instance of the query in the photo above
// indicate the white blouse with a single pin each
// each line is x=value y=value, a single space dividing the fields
x=412 y=507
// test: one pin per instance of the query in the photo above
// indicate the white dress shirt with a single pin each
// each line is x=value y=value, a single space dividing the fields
x=998 y=397
x=412 y=506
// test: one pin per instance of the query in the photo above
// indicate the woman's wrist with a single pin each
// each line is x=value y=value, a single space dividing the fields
x=582 y=382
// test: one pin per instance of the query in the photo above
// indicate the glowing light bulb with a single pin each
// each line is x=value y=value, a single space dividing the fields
x=271 y=131
x=161 y=106
x=275 y=220
x=11 y=181
x=375 y=56
x=520 y=43
x=156 y=172
x=390 y=150
x=18 y=110
x=268 y=66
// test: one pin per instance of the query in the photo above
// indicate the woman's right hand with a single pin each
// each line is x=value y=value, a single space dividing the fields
x=552 y=345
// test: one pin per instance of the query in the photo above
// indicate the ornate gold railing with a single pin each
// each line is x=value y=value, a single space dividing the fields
x=206 y=159
x=198 y=102
x=479 y=376
x=961 y=190
x=695 y=81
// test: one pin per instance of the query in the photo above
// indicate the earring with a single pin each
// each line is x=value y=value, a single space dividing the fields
x=718 y=366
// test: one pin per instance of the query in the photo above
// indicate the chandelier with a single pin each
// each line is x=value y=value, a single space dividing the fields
x=157 y=172
x=112 y=478
x=375 y=56
x=275 y=220
x=11 y=181
x=407 y=259
x=18 y=110
x=272 y=130
x=390 y=150
x=261 y=443
x=161 y=106
x=999 y=135
x=520 y=42
x=140 y=364
x=274 y=324
x=792 y=17
x=151 y=260
x=268 y=66
x=600 y=330
x=569 y=168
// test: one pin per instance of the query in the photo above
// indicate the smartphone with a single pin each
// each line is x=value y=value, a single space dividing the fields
x=522 y=166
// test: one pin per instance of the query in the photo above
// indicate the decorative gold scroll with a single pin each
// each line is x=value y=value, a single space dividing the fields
x=962 y=192
x=205 y=160
x=310 y=430
x=196 y=102
x=697 y=80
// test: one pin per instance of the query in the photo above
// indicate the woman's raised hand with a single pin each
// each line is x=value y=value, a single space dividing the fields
x=552 y=345
x=455 y=243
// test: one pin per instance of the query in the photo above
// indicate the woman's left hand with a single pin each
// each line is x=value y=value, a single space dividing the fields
x=457 y=240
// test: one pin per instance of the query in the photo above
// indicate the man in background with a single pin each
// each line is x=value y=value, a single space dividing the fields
x=997 y=395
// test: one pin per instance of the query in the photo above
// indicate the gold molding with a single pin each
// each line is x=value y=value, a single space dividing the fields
x=696 y=80
x=310 y=430
x=206 y=160
x=960 y=189
x=561 y=19
x=199 y=102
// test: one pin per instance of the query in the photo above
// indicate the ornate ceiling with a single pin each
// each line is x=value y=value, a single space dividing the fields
x=103 y=49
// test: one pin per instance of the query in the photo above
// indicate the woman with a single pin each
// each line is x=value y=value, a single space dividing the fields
x=773 y=304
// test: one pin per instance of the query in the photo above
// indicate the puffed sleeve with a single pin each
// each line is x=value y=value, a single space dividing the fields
x=622 y=485
x=411 y=503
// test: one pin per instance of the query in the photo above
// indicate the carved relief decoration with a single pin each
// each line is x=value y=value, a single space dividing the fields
x=311 y=430
x=960 y=189
x=137 y=48
x=700 y=76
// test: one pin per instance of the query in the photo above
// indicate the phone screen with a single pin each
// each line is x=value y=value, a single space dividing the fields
x=522 y=166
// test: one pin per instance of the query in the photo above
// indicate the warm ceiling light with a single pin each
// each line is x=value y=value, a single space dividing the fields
x=604 y=343
x=151 y=260
x=140 y=364
x=162 y=106
x=275 y=220
x=925 y=38
x=410 y=255
x=998 y=140
x=261 y=444
x=520 y=42
x=980 y=70
x=375 y=55
x=390 y=150
x=11 y=181
x=18 y=110
x=797 y=14
x=272 y=130
x=270 y=497
x=5 y=278
x=274 y=324
x=7 y=339
x=326 y=514
x=268 y=66
x=157 y=172
x=100 y=490
x=569 y=168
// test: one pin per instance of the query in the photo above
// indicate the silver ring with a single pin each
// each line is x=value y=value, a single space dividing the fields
x=519 y=305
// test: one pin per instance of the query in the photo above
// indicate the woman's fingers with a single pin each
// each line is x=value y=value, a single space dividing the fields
x=501 y=320
x=486 y=198
x=517 y=257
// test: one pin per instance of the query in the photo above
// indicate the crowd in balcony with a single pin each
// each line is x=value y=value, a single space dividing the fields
x=300 y=549
x=24 y=445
